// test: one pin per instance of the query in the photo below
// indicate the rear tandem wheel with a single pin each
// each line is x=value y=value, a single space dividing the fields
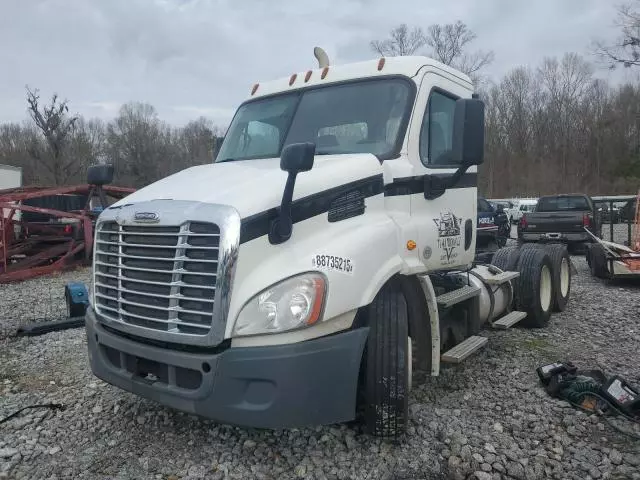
x=561 y=270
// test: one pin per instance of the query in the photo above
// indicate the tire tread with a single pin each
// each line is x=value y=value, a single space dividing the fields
x=528 y=287
x=386 y=364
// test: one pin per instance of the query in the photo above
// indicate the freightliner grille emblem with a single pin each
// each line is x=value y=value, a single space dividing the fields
x=146 y=217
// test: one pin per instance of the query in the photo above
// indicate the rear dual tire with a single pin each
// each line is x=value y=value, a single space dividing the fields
x=544 y=283
x=534 y=290
x=561 y=270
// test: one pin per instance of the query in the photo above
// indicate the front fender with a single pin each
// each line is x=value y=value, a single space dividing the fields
x=368 y=241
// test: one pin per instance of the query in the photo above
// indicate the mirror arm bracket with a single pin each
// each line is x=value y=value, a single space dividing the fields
x=282 y=226
x=435 y=186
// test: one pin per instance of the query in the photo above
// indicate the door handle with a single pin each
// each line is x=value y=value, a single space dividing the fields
x=468 y=233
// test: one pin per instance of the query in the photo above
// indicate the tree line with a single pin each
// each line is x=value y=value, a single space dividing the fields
x=55 y=147
x=550 y=128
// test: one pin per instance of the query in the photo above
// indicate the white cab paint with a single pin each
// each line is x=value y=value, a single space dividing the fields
x=376 y=241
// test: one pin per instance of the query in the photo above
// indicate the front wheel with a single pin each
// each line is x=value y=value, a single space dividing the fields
x=387 y=368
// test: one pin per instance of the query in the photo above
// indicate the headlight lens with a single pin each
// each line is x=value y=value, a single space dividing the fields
x=290 y=304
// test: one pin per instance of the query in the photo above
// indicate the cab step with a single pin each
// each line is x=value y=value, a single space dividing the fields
x=449 y=299
x=464 y=349
x=509 y=320
x=501 y=278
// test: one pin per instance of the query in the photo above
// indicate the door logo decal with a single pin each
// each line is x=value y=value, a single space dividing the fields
x=449 y=237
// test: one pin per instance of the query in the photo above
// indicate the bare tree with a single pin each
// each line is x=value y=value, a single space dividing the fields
x=402 y=41
x=625 y=50
x=198 y=139
x=449 y=44
x=56 y=126
x=137 y=144
x=86 y=147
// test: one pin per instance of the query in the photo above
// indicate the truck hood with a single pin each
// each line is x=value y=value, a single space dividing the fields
x=252 y=186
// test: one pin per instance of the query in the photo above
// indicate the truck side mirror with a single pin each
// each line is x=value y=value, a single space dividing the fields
x=297 y=157
x=468 y=132
x=100 y=174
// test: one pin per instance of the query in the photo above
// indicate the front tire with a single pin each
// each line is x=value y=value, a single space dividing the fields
x=387 y=367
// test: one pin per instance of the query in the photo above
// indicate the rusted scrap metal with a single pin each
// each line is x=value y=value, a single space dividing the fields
x=29 y=249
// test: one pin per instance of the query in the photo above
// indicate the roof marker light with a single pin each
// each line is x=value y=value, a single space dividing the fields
x=307 y=76
x=255 y=88
x=292 y=79
x=325 y=70
x=381 y=63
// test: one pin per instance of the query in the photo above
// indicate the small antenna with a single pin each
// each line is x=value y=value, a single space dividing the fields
x=321 y=56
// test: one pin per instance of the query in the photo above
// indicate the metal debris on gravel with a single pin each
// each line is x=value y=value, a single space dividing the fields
x=486 y=419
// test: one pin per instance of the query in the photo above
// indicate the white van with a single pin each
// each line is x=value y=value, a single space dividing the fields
x=524 y=206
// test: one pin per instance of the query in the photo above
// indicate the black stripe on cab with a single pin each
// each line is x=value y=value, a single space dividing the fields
x=305 y=208
x=413 y=185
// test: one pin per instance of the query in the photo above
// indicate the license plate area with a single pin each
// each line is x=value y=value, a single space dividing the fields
x=554 y=236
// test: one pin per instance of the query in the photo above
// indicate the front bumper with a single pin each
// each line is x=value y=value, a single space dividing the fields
x=308 y=383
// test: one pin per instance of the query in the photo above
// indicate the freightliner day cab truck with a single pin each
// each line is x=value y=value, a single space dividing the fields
x=329 y=248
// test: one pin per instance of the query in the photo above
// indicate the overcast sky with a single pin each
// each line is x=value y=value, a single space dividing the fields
x=200 y=57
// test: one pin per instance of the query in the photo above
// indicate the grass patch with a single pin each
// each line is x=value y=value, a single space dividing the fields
x=536 y=344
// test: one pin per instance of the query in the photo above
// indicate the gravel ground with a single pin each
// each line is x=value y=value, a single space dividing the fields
x=486 y=419
x=36 y=300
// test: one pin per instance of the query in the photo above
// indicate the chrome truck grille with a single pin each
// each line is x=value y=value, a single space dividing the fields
x=168 y=282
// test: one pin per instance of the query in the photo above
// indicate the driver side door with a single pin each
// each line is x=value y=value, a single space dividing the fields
x=446 y=223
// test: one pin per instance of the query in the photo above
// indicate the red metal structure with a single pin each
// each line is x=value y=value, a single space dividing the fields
x=29 y=249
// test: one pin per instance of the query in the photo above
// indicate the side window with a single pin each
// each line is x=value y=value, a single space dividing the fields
x=436 y=135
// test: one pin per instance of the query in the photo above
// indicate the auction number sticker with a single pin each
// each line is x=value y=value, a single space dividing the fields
x=332 y=262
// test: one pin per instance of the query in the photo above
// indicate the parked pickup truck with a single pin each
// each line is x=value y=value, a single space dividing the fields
x=560 y=218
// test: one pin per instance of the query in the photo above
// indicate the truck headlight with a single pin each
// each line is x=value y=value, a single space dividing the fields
x=293 y=303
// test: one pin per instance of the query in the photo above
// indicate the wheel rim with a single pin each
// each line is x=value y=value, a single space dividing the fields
x=545 y=288
x=564 y=277
x=410 y=367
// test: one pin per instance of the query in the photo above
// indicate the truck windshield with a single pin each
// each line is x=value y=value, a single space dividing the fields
x=555 y=204
x=357 y=117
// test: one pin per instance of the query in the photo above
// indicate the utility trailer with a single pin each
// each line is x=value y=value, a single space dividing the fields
x=37 y=240
x=290 y=283
x=612 y=261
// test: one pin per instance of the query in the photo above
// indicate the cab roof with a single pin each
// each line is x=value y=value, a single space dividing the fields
x=407 y=66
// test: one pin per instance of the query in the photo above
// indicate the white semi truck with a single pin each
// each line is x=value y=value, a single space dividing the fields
x=328 y=249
